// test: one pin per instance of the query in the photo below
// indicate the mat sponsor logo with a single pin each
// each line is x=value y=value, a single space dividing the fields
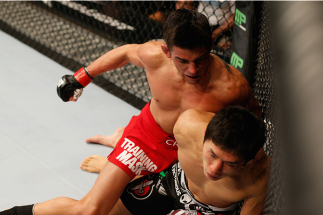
x=135 y=158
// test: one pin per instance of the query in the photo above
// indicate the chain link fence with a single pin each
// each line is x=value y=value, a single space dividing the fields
x=265 y=90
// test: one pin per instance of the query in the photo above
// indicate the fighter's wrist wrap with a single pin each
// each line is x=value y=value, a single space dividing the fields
x=83 y=76
x=87 y=72
x=19 y=210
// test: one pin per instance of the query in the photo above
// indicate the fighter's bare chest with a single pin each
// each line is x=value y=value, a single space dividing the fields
x=170 y=91
x=188 y=99
x=222 y=196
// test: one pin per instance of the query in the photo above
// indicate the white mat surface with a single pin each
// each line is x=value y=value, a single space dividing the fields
x=42 y=138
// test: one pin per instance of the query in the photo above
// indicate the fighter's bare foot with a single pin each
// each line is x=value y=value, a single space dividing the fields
x=109 y=140
x=93 y=163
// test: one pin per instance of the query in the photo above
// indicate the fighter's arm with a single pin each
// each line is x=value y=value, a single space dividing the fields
x=99 y=200
x=254 y=204
x=146 y=55
x=141 y=55
x=116 y=58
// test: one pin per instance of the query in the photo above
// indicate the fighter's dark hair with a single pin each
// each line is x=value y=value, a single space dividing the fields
x=236 y=130
x=187 y=29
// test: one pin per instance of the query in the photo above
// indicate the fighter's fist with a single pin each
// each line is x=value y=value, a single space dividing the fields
x=70 y=87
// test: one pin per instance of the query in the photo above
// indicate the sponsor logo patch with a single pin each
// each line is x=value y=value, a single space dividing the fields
x=135 y=158
x=171 y=143
x=142 y=189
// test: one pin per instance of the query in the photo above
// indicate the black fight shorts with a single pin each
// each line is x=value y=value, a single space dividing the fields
x=167 y=193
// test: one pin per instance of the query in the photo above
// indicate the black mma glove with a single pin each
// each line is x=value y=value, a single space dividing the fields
x=70 y=87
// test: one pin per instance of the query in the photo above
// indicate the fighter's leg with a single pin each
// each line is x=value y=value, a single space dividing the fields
x=109 y=140
x=93 y=163
x=119 y=209
x=145 y=196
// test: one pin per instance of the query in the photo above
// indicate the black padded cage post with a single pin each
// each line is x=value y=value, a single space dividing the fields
x=245 y=38
x=297 y=31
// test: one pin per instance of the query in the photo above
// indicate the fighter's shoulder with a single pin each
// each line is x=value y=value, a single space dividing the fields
x=191 y=121
x=236 y=85
x=151 y=53
x=228 y=72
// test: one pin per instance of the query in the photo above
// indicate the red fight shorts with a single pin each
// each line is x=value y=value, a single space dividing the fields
x=144 y=147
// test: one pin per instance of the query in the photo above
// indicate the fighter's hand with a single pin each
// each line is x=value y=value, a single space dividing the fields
x=70 y=87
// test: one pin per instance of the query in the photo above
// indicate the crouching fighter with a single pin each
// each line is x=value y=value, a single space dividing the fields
x=221 y=162
x=217 y=168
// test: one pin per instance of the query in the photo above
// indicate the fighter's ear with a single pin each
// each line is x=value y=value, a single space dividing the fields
x=165 y=49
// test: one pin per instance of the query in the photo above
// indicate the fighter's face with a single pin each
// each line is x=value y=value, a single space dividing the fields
x=217 y=163
x=191 y=64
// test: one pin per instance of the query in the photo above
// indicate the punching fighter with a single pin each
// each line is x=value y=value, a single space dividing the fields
x=181 y=73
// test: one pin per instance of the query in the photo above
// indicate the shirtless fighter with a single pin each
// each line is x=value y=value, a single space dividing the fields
x=182 y=75
x=221 y=162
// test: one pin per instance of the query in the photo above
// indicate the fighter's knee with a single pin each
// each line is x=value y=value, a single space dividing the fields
x=86 y=209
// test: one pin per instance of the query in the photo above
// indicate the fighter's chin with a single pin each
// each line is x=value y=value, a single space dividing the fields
x=192 y=79
x=192 y=82
x=213 y=177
